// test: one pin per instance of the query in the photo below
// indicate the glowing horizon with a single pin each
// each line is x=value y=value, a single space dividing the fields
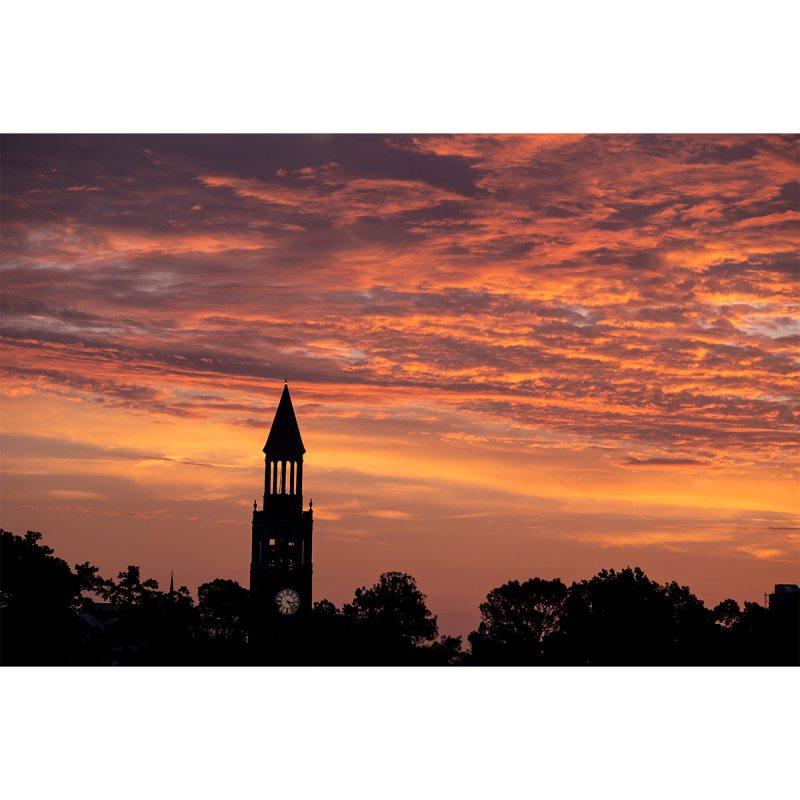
x=510 y=356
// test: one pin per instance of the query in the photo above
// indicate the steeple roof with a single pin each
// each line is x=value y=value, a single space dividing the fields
x=284 y=435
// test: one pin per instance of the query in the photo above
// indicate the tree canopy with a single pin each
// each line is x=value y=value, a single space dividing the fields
x=395 y=607
x=53 y=614
x=517 y=618
x=39 y=603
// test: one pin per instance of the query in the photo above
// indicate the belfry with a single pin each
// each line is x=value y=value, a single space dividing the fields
x=280 y=564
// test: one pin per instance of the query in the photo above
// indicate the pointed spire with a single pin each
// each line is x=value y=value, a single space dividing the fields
x=171 y=583
x=284 y=437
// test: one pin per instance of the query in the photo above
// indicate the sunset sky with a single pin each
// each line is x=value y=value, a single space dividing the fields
x=510 y=356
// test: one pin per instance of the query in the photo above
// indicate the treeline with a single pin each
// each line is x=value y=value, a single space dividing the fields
x=51 y=614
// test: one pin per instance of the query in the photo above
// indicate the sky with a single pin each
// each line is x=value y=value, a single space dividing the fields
x=510 y=356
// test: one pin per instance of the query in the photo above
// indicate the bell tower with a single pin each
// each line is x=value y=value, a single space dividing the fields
x=280 y=564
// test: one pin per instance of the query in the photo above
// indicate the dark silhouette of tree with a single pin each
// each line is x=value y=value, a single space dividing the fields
x=329 y=637
x=394 y=604
x=624 y=618
x=90 y=580
x=143 y=625
x=50 y=614
x=223 y=608
x=222 y=605
x=386 y=624
x=394 y=609
x=764 y=636
x=516 y=618
x=131 y=591
x=615 y=618
x=324 y=608
x=727 y=613
x=39 y=603
x=695 y=637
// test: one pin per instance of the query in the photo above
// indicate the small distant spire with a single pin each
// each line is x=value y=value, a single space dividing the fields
x=171 y=583
x=285 y=381
x=255 y=505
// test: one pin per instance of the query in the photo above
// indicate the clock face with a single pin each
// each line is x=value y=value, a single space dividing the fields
x=288 y=601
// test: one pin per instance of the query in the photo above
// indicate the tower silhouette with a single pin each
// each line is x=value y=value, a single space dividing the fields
x=280 y=565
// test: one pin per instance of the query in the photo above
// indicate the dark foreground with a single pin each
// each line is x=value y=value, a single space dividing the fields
x=51 y=614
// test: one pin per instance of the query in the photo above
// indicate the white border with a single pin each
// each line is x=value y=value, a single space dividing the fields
x=394 y=733
x=417 y=66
